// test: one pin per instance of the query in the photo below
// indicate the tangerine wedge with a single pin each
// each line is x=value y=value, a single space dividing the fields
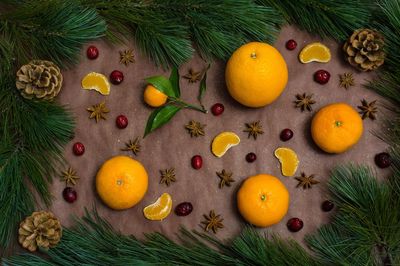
x=96 y=81
x=315 y=52
x=223 y=142
x=160 y=209
x=288 y=160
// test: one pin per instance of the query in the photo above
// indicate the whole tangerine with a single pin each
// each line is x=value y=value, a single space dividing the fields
x=121 y=182
x=263 y=200
x=336 y=128
x=256 y=74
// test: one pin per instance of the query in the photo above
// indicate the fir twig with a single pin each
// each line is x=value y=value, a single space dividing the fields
x=326 y=18
x=53 y=30
x=365 y=231
x=93 y=241
x=164 y=29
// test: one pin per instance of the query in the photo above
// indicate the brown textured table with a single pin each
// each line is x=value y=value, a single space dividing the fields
x=171 y=146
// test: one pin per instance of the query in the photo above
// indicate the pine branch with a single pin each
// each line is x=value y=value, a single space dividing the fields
x=53 y=30
x=33 y=135
x=164 y=30
x=93 y=241
x=365 y=230
x=326 y=18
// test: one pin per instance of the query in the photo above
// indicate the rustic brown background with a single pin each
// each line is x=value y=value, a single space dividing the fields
x=171 y=146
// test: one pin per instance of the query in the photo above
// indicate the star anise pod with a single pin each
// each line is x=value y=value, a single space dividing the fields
x=133 y=146
x=193 y=76
x=304 y=102
x=346 y=80
x=195 y=129
x=167 y=176
x=226 y=178
x=69 y=176
x=126 y=57
x=368 y=110
x=254 y=129
x=98 y=111
x=212 y=222
x=306 y=181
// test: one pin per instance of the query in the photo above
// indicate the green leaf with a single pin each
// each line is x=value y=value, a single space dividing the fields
x=160 y=117
x=174 y=79
x=203 y=84
x=162 y=84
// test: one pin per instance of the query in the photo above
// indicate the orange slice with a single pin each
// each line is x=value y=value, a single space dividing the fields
x=160 y=209
x=223 y=142
x=288 y=159
x=96 y=81
x=315 y=52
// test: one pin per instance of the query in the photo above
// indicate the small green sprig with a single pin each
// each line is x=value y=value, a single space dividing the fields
x=170 y=87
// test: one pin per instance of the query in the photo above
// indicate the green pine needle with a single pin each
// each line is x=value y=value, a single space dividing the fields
x=326 y=18
x=53 y=30
x=366 y=229
x=94 y=242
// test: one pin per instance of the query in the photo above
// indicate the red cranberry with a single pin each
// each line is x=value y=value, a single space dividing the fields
x=295 y=224
x=184 y=209
x=251 y=157
x=322 y=76
x=78 y=148
x=286 y=134
x=69 y=194
x=383 y=160
x=217 y=109
x=92 y=52
x=116 y=77
x=327 y=205
x=197 y=162
x=121 y=121
x=291 y=45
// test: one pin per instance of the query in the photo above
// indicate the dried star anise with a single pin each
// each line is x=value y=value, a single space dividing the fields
x=226 y=178
x=69 y=176
x=254 y=129
x=346 y=80
x=304 y=102
x=212 y=222
x=167 y=176
x=193 y=76
x=306 y=181
x=132 y=145
x=98 y=111
x=195 y=129
x=368 y=110
x=126 y=57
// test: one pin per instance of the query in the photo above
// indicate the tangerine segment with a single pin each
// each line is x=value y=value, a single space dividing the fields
x=288 y=160
x=315 y=52
x=121 y=182
x=160 y=209
x=96 y=81
x=263 y=200
x=223 y=142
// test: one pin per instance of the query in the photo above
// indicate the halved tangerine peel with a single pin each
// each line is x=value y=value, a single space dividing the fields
x=160 y=209
x=223 y=142
x=315 y=52
x=288 y=159
x=96 y=81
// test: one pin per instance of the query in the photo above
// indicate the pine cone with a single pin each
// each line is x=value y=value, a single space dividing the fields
x=364 y=49
x=39 y=79
x=41 y=229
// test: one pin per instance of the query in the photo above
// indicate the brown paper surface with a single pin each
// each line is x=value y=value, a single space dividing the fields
x=171 y=146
